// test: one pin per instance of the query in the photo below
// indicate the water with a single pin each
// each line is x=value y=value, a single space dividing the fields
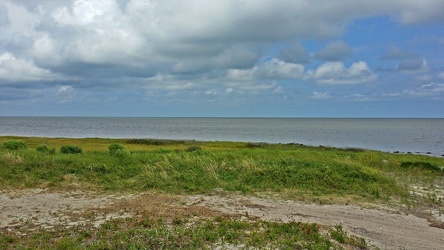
x=404 y=135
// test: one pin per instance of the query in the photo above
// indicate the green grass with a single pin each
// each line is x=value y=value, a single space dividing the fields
x=170 y=167
x=154 y=233
x=312 y=174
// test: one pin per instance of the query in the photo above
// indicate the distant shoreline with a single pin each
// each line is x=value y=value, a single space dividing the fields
x=419 y=136
x=209 y=141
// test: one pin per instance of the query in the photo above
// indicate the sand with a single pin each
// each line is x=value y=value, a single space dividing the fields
x=381 y=227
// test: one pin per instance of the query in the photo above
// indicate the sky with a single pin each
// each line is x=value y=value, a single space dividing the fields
x=222 y=58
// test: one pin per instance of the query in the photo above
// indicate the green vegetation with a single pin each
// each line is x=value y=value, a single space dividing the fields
x=341 y=236
x=45 y=149
x=14 y=145
x=154 y=233
x=310 y=174
x=114 y=148
x=70 y=149
x=193 y=148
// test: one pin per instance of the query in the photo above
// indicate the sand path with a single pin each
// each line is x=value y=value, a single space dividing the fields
x=380 y=227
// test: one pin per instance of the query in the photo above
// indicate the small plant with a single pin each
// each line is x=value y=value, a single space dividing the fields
x=12 y=158
x=254 y=145
x=114 y=148
x=193 y=149
x=122 y=153
x=45 y=149
x=15 y=145
x=70 y=149
x=340 y=235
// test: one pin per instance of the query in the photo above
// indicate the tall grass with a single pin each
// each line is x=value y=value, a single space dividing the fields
x=291 y=169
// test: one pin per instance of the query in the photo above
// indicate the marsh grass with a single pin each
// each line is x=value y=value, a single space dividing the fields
x=200 y=167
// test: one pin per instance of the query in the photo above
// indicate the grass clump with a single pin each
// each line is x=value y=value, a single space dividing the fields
x=71 y=149
x=156 y=142
x=15 y=145
x=193 y=149
x=421 y=165
x=254 y=145
x=339 y=234
x=114 y=148
x=45 y=149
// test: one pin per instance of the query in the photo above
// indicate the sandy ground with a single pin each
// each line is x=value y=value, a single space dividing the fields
x=380 y=227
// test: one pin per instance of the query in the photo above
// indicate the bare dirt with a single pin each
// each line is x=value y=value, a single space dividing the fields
x=381 y=227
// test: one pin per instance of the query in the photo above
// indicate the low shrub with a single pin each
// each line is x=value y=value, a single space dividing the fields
x=122 y=153
x=114 y=148
x=70 y=149
x=254 y=145
x=45 y=149
x=422 y=165
x=155 y=142
x=15 y=145
x=193 y=149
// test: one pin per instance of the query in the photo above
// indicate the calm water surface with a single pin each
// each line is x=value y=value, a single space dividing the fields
x=404 y=135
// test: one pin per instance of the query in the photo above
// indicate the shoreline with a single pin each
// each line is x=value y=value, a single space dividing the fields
x=425 y=153
x=419 y=136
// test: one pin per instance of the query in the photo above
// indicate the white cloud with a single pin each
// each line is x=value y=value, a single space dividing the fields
x=205 y=45
x=272 y=69
x=255 y=89
x=278 y=69
x=169 y=83
x=229 y=90
x=431 y=90
x=220 y=33
x=433 y=87
x=337 y=73
x=19 y=69
x=359 y=96
x=99 y=31
x=320 y=95
x=240 y=74
x=83 y=12
x=65 y=94
x=18 y=20
x=334 y=51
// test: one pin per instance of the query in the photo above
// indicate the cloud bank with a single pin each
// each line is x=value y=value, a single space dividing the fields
x=213 y=47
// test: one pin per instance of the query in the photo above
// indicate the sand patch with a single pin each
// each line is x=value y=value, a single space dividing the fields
x=386 y=229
